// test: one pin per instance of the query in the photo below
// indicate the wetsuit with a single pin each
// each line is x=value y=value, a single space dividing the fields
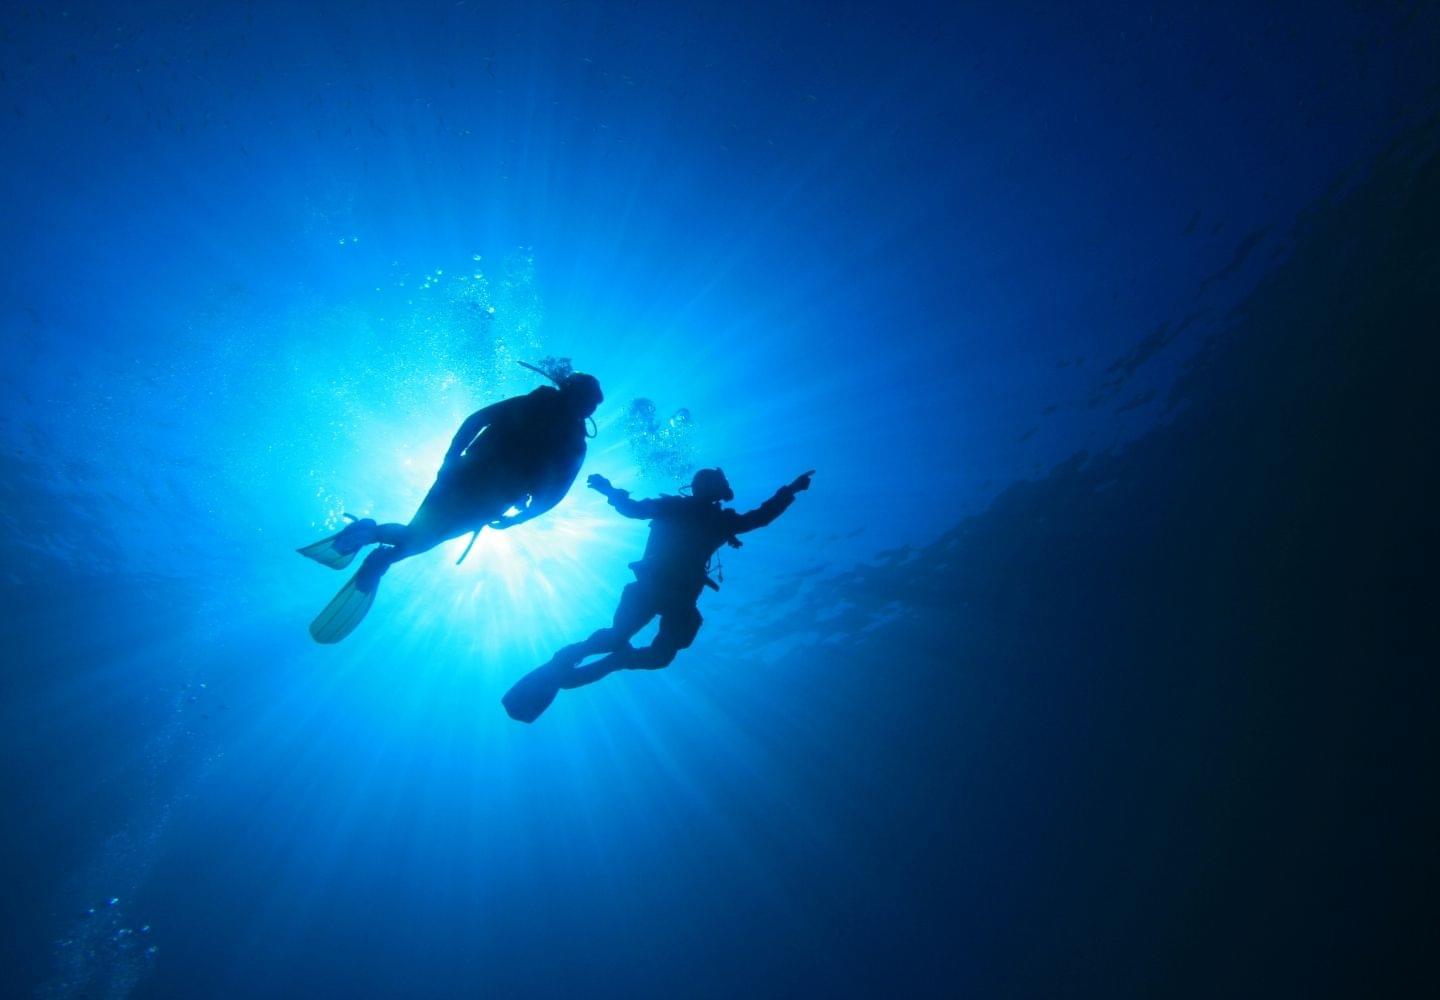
x=521 y=453
x=669 y=578
x=526 y=446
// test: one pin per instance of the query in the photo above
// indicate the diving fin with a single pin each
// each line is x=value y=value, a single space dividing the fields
x=345 y=610
x=533 y=693
x=339 y=550
x=325 y=553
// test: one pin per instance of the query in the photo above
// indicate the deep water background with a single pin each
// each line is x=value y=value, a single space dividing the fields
x=1098 y=662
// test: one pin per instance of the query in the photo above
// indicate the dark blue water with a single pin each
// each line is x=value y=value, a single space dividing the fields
x=1097 y=661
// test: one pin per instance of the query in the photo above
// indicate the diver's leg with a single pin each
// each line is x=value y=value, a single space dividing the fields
x=440 y=518
x=448 y=511
x=589 y=673
x=678 y=628
x=660 y=653
x=637 y=607
x=428 y=528
x=534 y=692
x=396 y=545
x=392 y=533
x=456 y=505
x=362 y=532
x=677 y=631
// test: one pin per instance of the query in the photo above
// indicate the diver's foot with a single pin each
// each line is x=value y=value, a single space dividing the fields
x=367 y=578
x=567 y=657
x=355 y=535
x=338 y=551
x=530 y=696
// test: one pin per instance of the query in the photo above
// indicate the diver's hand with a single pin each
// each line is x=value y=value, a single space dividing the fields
x=801 y=483
x=600 y=484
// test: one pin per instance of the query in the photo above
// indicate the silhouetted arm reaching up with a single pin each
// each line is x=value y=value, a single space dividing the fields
x=620 y=499
x=774 y=507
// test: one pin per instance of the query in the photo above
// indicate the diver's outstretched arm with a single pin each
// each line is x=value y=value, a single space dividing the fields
x=775 y=506
x=620 y=499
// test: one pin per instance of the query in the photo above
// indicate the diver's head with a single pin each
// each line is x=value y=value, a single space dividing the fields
x=581 y=394
x=711 y=486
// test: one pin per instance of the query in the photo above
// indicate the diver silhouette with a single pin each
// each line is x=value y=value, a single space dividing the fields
x=685 y=533
x=523 y=452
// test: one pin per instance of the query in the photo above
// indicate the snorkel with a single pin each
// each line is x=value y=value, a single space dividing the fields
x=556 y=371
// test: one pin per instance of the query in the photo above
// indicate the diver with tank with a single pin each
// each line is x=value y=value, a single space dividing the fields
x=522 y=453
x=686 y=533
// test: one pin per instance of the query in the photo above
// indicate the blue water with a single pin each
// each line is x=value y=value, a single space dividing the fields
x=1066 y=304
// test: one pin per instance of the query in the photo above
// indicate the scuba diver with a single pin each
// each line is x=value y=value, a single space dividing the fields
x=685 y=533
x=522 y=453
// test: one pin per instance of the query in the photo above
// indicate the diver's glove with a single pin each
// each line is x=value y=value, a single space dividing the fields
x=800 y=485
x=601 y=485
